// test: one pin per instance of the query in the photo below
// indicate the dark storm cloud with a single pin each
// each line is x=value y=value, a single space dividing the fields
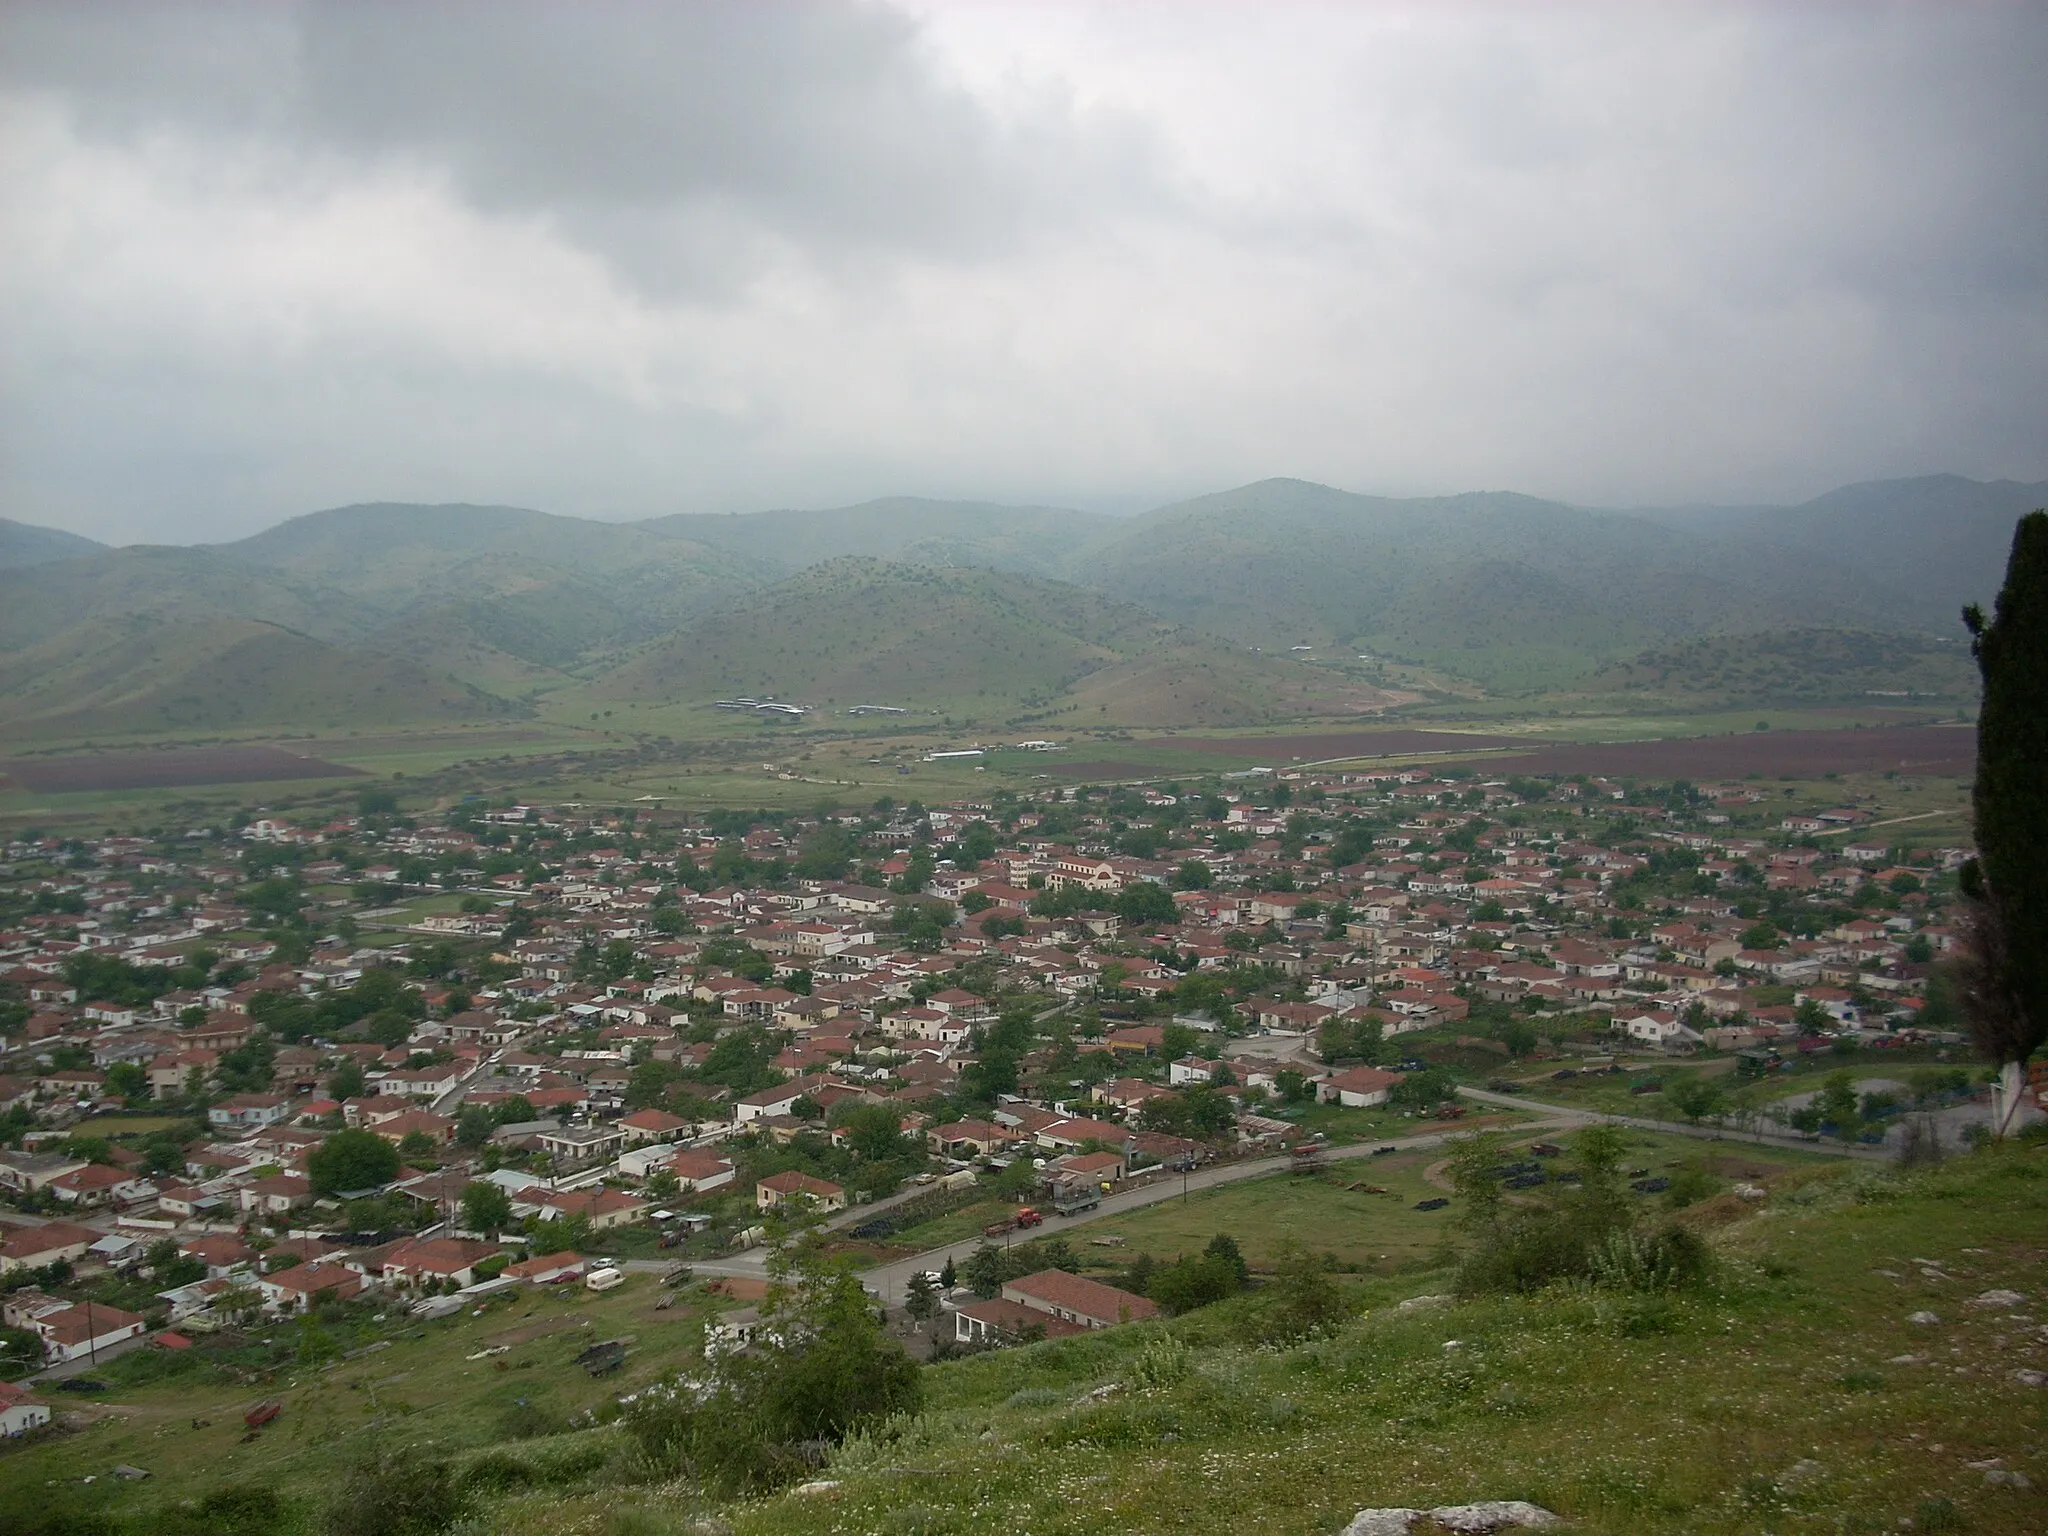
x=623 y=258
x=668 y=137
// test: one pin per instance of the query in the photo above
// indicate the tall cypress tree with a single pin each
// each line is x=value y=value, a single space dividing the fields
x=2005 y=972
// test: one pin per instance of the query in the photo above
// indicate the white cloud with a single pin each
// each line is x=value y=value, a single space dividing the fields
x=629 y=259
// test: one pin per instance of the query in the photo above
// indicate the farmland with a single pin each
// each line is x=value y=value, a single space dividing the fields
x=167 y=768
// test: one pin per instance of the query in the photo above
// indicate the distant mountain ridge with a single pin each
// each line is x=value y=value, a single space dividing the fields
x=1511 y=592
x=23 y=544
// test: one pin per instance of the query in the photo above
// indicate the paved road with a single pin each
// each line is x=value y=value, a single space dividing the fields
x=888 y=1280
x=1569 y=1115
x=84 y=1364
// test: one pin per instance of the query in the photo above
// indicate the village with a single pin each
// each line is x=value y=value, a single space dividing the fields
x=256 y=1068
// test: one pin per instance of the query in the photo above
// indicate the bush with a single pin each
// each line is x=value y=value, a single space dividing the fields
x=1668 y=1259
x=528 y=1420
x=497 y=1472
x=240 y=1509
x=1160 y=1363
x=820 y=1369
x=401 y=1495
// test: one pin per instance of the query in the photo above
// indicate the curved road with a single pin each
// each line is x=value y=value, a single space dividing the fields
x=888 y=1280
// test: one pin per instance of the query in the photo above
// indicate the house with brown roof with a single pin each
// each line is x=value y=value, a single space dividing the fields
x=278 y=1193
x=547 y=1268
x=83 y=1329
x=435 y=1260
x=645 y=1125
x=998 y=1321
x=602 y=1208
x=773 y=1191
x=1075 y=1299
x=20 y=1410
x=34 y=1247
x=297 y=1289
x=1357 y=1088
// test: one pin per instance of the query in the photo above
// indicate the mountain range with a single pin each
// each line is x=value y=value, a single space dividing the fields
x=1197 y=613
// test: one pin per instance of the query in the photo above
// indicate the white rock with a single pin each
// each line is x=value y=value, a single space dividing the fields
x=1413 y=1302
x=1997 y=1299
x=1801 y=1470
x=1381 y=1522
x=2008 y=1480
x=2031 y=1378
x=1924 y=1319
x=822 y=1485
x=1751 y=1192
x=1493 y=1515
x=1907 y=1360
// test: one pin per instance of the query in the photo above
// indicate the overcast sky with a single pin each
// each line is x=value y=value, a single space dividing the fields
x=618 y=259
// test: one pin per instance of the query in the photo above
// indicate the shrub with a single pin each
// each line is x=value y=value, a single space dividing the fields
x=1160 y=1363
x=497 y=1472
x=401 y=1495
x=1669 y=1259
x=239 y=1509
x=820 y=1370
x=525 y=1419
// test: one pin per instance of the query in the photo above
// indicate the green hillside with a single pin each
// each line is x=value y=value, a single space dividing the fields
x=1797 y=666
x=1511 y=593
x=1934 y=542
x=41 y=602
x=1506 y=589
x=148 y=675
x=970 y=643
x=26 y=544
x=1037 y=541
x=547 y=590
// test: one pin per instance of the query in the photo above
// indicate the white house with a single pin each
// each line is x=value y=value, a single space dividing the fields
x=20 y=1412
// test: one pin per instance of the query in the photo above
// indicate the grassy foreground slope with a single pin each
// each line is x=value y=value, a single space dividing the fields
x=1777 y=1401
x=1793 y=1395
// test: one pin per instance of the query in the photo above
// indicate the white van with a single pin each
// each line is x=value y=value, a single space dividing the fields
x=603 y=1278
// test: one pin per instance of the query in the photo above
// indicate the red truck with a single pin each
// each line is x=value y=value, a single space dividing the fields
x=1025 y=1217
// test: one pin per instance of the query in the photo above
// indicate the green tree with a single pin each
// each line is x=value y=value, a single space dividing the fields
x=2005 y=968
x=873 y=1131
x=346 y=1081
x=985 y=1271
x=1839 y=1107
x=921 y=1299
x=819 y=1369
x=1186 y=1284
x=1305 y=1295
x=129 y=1081
x=1694 y=1096
x=352 y=1160
x=486 y=1207
x=1144 y=902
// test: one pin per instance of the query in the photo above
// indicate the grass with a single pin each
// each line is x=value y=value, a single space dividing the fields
x=1380 y=1232
x=1792 y=1395
x=419 y=1387
x=115 y=1127
x=1769 y=1403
